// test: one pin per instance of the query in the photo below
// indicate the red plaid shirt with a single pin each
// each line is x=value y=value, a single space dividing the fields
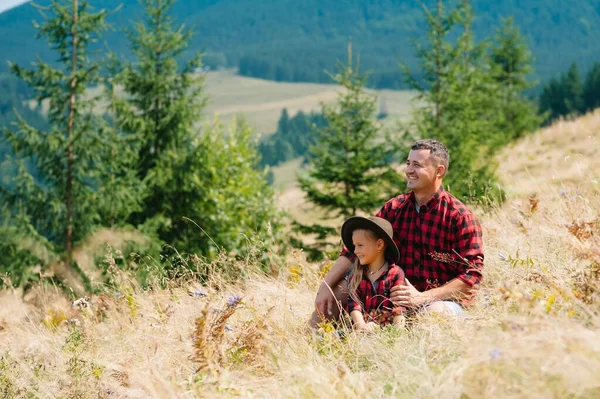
x=427 y=240
x=375 y=296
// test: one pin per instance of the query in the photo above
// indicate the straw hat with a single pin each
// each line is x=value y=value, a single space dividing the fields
x=381 y=227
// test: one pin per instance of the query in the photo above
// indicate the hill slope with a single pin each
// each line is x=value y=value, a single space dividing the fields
x=314 y=33
x=532 y=334
x=261 y=101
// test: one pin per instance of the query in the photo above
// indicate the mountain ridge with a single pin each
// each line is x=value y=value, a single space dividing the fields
x=314 y=33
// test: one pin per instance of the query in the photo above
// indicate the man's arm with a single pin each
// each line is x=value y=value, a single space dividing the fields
x=469 y=254
x=469 y=248
x=325 y=301
x=409 y=296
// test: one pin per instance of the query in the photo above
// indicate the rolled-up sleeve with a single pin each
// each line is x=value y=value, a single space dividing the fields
x=353 y=305
x=470 y=247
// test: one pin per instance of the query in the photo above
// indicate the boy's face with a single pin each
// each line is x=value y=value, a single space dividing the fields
x=367 y=247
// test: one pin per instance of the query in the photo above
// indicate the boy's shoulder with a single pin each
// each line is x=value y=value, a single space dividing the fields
x=395 y=271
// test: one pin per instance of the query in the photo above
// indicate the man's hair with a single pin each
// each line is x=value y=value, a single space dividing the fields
x=438 y=151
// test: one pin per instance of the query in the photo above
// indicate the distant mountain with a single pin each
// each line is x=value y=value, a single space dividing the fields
x=300 y=39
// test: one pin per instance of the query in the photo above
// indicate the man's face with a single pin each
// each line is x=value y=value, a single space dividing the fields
x=421 y=171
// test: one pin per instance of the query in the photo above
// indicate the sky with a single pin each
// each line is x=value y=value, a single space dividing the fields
x=6 y=4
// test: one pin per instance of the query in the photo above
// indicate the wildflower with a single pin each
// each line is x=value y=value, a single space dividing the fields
x=81 y=303
x=503 y=257
x=233 y=300
x=495 y=353
x=198 y=293
x=228 y=328
x=118 y=294
x=441 y=257
x=73 y=322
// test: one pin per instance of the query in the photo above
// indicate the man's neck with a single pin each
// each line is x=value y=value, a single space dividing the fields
x=422 y=196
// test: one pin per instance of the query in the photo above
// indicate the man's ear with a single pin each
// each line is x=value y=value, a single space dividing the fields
x=441 y=171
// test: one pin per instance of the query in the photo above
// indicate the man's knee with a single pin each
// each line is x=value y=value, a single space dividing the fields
x=445 y=308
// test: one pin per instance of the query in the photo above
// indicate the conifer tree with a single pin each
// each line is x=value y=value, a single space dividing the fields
x=461 y=99
x=80 y=179
x=563 y=96
x=186 y=176
x=552 y=100
x=591 y=88
x=512 y=63
x=349 y=166
x=573 y=91
x=159 y=108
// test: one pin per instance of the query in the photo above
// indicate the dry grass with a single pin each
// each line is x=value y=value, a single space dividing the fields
x=261 y=101
x=533 y=333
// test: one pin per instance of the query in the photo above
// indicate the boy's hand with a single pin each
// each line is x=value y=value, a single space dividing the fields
x=368 y=327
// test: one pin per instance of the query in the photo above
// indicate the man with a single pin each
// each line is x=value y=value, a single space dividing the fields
x=440 y=243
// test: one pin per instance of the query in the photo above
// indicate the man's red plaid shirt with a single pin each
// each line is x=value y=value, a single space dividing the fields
x=428 y=239
x=375 y=297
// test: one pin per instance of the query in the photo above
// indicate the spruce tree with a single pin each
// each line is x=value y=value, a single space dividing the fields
x=80 y=179
x=573 y=91
x=159 y=108
x=552 y=99
x=591 y=88
x=512 y=64
x=460 y=99
x=189 y=181
x=564 y=96
x=349 y=165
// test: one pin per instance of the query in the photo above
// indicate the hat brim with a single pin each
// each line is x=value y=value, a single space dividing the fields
x=392 y=254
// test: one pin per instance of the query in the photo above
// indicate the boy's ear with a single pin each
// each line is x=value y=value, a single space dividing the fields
x=380 y=243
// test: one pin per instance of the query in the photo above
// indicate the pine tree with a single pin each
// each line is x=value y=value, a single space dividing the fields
x=591 y=88
x=552 y=99
x=80 y=179
x=349 y=166
x=563 y=96
x=461 y=100
x=511 y=66
x=188 y=174
x=159 y=109
x=573 y=91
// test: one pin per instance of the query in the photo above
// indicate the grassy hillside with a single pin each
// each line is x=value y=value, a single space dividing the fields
x=261 y=101
x=532 y=334
x=312 y=34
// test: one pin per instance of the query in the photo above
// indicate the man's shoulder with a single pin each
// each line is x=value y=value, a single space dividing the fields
x=456 y=206
x=398 y=201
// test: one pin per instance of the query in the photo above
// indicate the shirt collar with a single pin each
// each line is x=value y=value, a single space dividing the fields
x=431 y=202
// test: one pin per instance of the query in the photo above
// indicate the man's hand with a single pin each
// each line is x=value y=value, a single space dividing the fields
x=324 y=302
x=407 y=296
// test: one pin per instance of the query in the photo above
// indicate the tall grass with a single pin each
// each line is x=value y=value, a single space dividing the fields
x=533 y=332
